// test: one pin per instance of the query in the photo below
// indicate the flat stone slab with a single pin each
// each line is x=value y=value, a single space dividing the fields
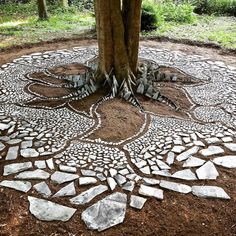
x=181 y=188
x=49 y=211
x=106 y=213
x=210 y=192
x=207 y=171
x=112 y=183
x=88 y=195
x=43 y=189
x=137 y=202
x=40 y=164
x=211 y=150
x=16 y=168
x=151 y=192
x=226 y=161
x=59 y=177
x=193 y=162
x=185 y=155
x=2 y=146
x=68 y=190
x=29 y=152
x=231 y=146
x=12 y=153
x=184 y=174
x=87 y=180
x=22 y=186
x=34 y=174
x=69 y=169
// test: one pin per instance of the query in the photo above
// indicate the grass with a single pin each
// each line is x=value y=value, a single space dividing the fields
x=207 y=29
x=19 y=24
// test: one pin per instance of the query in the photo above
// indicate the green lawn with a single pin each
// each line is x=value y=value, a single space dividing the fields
x=208 y=29
x=19 y=25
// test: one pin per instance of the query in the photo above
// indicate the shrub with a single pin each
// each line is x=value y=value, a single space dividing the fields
x=175 y=12
x=150 y=17
x=217 y=7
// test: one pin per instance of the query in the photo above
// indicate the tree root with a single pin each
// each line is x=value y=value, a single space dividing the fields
x=86 y=84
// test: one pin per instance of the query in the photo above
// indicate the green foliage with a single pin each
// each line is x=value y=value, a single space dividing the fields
x=217 y=7
x=155 y=13
x=150 y=17
x=182 y=13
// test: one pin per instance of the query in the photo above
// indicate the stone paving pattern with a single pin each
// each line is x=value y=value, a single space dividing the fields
x=50 y=146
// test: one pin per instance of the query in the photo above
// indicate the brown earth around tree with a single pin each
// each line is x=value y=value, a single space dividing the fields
x=177 y=214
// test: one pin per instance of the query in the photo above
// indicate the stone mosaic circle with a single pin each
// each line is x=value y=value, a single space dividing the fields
x=46 y=146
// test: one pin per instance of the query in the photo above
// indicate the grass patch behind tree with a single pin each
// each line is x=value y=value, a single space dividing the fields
x=19 y=24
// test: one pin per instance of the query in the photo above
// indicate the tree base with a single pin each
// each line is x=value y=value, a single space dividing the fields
x=89 y=82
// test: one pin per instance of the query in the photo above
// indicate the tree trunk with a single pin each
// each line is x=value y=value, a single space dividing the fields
x=42 y=10
x=118 y=26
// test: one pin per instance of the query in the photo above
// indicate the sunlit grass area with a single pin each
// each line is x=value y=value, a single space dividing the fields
x=19 y=24
x=207 y=29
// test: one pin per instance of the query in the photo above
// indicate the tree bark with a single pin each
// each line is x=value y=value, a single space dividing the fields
x=42 y=10
x=118 y=27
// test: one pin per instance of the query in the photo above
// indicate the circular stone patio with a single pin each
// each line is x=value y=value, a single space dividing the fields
x=51 y=148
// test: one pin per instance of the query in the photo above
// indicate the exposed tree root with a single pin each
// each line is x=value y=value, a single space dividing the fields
x=87 y=84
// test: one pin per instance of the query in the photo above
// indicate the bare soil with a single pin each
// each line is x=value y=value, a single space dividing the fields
x=177 y=214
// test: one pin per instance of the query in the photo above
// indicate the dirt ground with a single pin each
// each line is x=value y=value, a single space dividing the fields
x=177 y=214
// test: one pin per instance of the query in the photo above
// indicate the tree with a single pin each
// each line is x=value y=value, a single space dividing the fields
x=42 y=10
x=118 y=25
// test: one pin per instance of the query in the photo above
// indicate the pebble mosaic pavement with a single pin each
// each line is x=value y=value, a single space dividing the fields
x=52 y=145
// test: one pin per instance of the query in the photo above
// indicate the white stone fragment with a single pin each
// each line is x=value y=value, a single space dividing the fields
x=16 y=168
x=185 y=155
x=88 y=195
x=112 y=183
x=178 y=149
x=43 y=189
x=68 y=190
x=34 y=174
x=88 y=172
x=211 y=150
x=181 y=188
x=49 y=211
x=151 y=192
x=22 y=186
x=137 y=202
x=129 y=186
x=87 y=180
x=59 y=177
x=106 y=213
x=227 y=139
x=184 y=174
x=193 y=162
x=50 y=164
x=170 y=158
x=199 y=143
x=69 y=169
x=12 y=153
x=40 y=164
x=149 y=181
x=210 y=192
x=226 y=161
x=212 y=140
x=29 y=152
x=231 y=146
x=207 y=171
